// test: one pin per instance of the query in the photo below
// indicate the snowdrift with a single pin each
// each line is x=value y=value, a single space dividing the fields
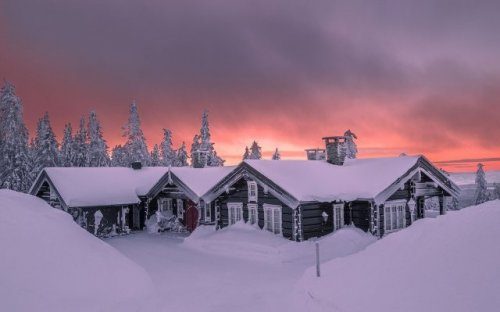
x=249 y=242
x=451 y=263
x=49 y=263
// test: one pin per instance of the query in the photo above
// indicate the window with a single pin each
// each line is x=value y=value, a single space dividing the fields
x=165 y=206
x=208 y=212
x=180 y=208
x=253 y=216
x=394 y=215
x=235 y=212
x=272 y=218
x=338 y=216
x=252 y=191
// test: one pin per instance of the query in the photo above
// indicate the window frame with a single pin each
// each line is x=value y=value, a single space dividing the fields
x=252 y=188
x=338 y=216
x=207 y=212
x=397 y=209
x=253 y=208
x=168 y=205
x=273 y=208
x=238 y=207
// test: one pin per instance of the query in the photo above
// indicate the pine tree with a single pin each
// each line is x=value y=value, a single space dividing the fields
x=67 y=147
x=15 y=162
x=46 y=147
x=119 y=157
x=81 y=146
x=195 y=152
x=182 y=156
x=350 y=146
x=97 y=155
x=206 y=146
x=155 y=156
x=255 y=151
x=135 y=147
x=481 y=185
x=246 y=155
x=214 y=160
x=168 y=155
x=276 y=155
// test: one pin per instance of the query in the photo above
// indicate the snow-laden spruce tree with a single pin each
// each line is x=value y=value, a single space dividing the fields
x=15 y=162
x=482 y=194
x=98 y=149
x=182 y=156
x=67 y=153
x=135 y=147
x=155 y=156
x=255 y=151
x=350 y=146
x=119 y=157
x=246 y=155
x=196 y=160
x=168 y=155
x=206 y=146
x=46 y=147
x=276 y=155
x=80 y=146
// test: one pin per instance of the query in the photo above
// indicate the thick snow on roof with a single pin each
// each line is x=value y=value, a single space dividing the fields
x=309 y=180
x=200 y=180
x=85 y=187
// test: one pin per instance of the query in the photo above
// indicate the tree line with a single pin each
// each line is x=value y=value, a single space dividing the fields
x=22 y=159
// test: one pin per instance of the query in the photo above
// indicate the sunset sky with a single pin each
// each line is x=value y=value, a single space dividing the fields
x=420 y=77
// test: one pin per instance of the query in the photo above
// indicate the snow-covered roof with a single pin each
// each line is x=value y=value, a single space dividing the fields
x=103 y=186
x=200 y=180
x=308 y=180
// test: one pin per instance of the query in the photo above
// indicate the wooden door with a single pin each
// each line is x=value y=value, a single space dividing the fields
x=136 y=219
x=191 y=216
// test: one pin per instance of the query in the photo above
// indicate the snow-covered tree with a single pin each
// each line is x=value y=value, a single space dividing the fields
x=481 y=185
x=182 y=156
x=350 y=146
x=195 y=151
x=246 y=155
x=168 y=155
x=119 y=157
x=15 y=162
x=67 y=152
x=81 y=146
x=136 y=148
x=206 y=147
x=46 y=147
x=98 y=149
x=214 y=160
x=255 y=151
x=155 y=156
x=276 y=155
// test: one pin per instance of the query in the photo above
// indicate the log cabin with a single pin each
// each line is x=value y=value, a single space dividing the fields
x=109 y=200
x=302 y=199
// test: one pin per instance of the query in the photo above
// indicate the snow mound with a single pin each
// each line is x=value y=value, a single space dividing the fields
x=49 y=263
x=450 y=263
x=249 y=242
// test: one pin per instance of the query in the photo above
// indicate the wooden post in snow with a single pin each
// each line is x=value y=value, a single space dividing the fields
x=317 y=260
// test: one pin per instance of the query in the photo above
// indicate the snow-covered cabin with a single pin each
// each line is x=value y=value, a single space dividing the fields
x=121 y=199
x=301 y=199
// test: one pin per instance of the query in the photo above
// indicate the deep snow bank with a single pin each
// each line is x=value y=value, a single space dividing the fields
x=451 y=263
x=49 y=263
x=249 y=242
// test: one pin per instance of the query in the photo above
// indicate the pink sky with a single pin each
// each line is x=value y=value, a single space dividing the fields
x=405 y=77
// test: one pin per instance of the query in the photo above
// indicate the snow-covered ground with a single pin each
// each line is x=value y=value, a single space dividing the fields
x=449 y=263
x=49 y=263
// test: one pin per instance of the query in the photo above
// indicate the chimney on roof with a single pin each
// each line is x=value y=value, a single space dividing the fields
x=335 y=149
x=136 y=165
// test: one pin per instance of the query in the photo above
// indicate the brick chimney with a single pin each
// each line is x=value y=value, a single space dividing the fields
x=335 y=149
x=136 y=165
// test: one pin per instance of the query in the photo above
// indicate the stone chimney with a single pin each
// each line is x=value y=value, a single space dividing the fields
x=335 y=149
x=136 y=165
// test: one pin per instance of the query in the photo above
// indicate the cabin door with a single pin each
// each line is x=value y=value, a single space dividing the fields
x=191 y=216
x=136 y=218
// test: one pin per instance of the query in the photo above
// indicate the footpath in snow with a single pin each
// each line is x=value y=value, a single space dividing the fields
x=451 y=263
x=49 y=263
